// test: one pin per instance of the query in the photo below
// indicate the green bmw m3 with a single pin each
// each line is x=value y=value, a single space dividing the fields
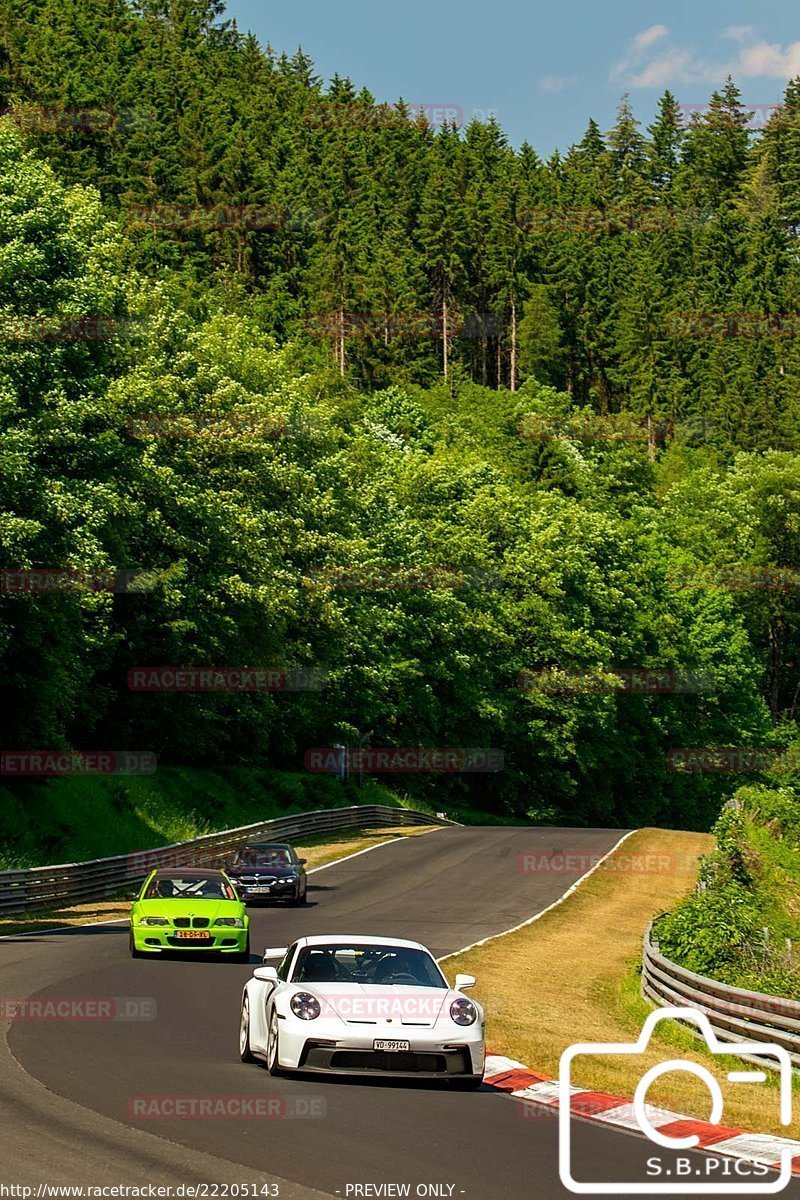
x=189 y=909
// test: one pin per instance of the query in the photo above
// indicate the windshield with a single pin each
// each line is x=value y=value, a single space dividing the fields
x=380 y=965
x=177 y=887
x=263 y=858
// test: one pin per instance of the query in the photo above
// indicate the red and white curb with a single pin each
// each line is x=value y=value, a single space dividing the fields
x=518 y=1081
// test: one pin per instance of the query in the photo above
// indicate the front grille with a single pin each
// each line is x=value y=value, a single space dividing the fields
x=321 y=1055
x=200 y=923
x=381 y=1060
x=181 y=922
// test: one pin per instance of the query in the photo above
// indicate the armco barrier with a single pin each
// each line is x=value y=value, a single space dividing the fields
x=74 y=883
x=736 y=1015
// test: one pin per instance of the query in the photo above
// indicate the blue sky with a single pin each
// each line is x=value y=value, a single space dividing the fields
x=542 y=69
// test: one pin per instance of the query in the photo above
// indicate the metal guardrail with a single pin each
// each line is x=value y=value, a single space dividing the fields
x=101 y=878
x=735 y=1014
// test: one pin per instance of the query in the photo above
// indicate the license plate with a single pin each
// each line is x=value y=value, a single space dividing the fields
x=193 y=935
x=387 y=1044
x=258 y=889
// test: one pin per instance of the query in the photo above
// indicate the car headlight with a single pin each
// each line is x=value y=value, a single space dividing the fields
x=463 y=1011
x=154 y=921
x=305 y=1006
x=231 y=922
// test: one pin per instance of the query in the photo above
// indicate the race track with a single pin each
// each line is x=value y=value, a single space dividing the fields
x=448 y=889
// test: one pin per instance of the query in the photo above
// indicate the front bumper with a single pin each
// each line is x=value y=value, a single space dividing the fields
x=443 y=1051
x=155 y=939
x=432 y=1063
x=282 y=889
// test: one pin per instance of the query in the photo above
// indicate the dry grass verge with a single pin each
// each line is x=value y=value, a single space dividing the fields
x=572 y=976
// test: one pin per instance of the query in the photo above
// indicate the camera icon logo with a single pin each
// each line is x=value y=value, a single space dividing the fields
x=644 y=1115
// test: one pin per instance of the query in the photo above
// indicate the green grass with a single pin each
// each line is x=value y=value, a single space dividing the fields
x=69 y=820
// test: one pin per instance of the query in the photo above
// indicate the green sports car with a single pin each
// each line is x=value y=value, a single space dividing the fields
x=189 y=909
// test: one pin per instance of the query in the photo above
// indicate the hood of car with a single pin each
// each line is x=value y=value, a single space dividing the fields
x=209 y=909
x=391 y=1006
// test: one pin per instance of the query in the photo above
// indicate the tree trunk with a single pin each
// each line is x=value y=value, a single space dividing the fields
x=775 y=635
x=444 y=335
x=651 y=441
x=513 y=371
x=340 y=353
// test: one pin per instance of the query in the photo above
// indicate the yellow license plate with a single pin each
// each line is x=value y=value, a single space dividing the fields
x=193 y=935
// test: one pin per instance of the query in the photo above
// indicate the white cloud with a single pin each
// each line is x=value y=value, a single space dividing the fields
x=556 y=83
x=648 y=36
x=673 y=64
x=762 y=58
x=633 y=55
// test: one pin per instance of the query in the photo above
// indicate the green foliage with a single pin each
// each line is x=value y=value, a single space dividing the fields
x=294 y=356
x=70 y=820
x=741 y=923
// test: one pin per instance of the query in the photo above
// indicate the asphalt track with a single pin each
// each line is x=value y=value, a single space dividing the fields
x=68 y=1086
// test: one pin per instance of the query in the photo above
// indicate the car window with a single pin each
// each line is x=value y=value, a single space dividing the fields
x=364 y=964
x=283 y=968
x=263 y=858
x=179 y=887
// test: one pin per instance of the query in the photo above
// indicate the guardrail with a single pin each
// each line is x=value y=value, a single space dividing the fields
x=101 y=878
x=735 y=1015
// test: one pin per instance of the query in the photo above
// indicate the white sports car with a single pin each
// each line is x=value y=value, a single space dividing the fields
x=362 y=1006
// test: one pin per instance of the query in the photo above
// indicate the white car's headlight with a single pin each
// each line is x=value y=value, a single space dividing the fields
x=463 y=1011
x=154 y=921
x=234 y=922
x=305 y=1006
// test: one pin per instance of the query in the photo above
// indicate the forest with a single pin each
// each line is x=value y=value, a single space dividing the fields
x=463 y=447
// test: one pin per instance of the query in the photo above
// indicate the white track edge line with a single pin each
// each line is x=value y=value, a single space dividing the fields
x=537 y=916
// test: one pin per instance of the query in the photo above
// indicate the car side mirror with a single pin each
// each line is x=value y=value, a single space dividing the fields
x=266 y=974
x=273 y=952
x=464 y=981
x=302 y=861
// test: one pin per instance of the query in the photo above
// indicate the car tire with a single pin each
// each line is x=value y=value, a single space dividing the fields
x=273 y=1046
x=467 y=1083
x=132 y=947
x=245 y=1053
